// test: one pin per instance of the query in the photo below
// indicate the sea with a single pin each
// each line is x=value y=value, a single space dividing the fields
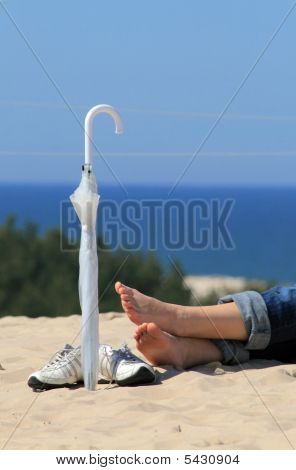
x=235 y=231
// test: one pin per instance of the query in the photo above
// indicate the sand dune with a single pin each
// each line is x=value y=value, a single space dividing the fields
x=203 y=286
x=210 y=407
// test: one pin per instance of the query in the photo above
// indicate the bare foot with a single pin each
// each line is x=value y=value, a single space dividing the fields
x=222 y=321
x=141 y=308
x=160 y=348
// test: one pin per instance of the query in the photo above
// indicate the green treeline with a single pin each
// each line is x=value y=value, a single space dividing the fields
x=39 y=274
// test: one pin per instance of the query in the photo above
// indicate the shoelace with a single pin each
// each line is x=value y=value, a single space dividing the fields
x=61 y=358
x=124 y=352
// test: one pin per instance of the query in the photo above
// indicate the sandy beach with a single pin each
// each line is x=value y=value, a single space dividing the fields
x=209 y=407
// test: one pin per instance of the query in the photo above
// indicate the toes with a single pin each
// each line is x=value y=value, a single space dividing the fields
x=126 y=306
x=138 y=330
x=125 y=297
x=146 y=330
x=117 y=286
x=142 y=329
x=153 y=330
x=125 y=290
x=127 y=300
x=122 y=289
x=138 y=333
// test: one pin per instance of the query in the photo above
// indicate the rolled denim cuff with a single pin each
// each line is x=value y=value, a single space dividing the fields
x=253 y=310
x=233 y=352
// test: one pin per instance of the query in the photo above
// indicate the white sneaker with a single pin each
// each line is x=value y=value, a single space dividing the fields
x=120 y=366
x=123 y=367
x=64 y=368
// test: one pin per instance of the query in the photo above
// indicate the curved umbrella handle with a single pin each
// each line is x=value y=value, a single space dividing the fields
x=100 y=108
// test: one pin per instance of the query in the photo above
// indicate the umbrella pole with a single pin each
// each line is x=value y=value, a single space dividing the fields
x=89 y=264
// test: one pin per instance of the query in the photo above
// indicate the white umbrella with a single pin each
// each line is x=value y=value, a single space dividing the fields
x=85 y=200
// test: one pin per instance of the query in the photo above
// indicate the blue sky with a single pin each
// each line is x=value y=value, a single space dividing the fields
x=169 y=67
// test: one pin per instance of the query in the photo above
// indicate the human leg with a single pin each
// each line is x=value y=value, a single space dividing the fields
x=214 y=321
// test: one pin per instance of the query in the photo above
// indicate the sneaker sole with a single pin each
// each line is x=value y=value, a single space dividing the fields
x=143 y=376
x=34 y=383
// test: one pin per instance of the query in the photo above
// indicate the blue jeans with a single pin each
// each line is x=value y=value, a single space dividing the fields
x=270 y=320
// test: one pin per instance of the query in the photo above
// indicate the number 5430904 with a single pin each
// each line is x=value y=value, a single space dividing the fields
x=204 y=459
